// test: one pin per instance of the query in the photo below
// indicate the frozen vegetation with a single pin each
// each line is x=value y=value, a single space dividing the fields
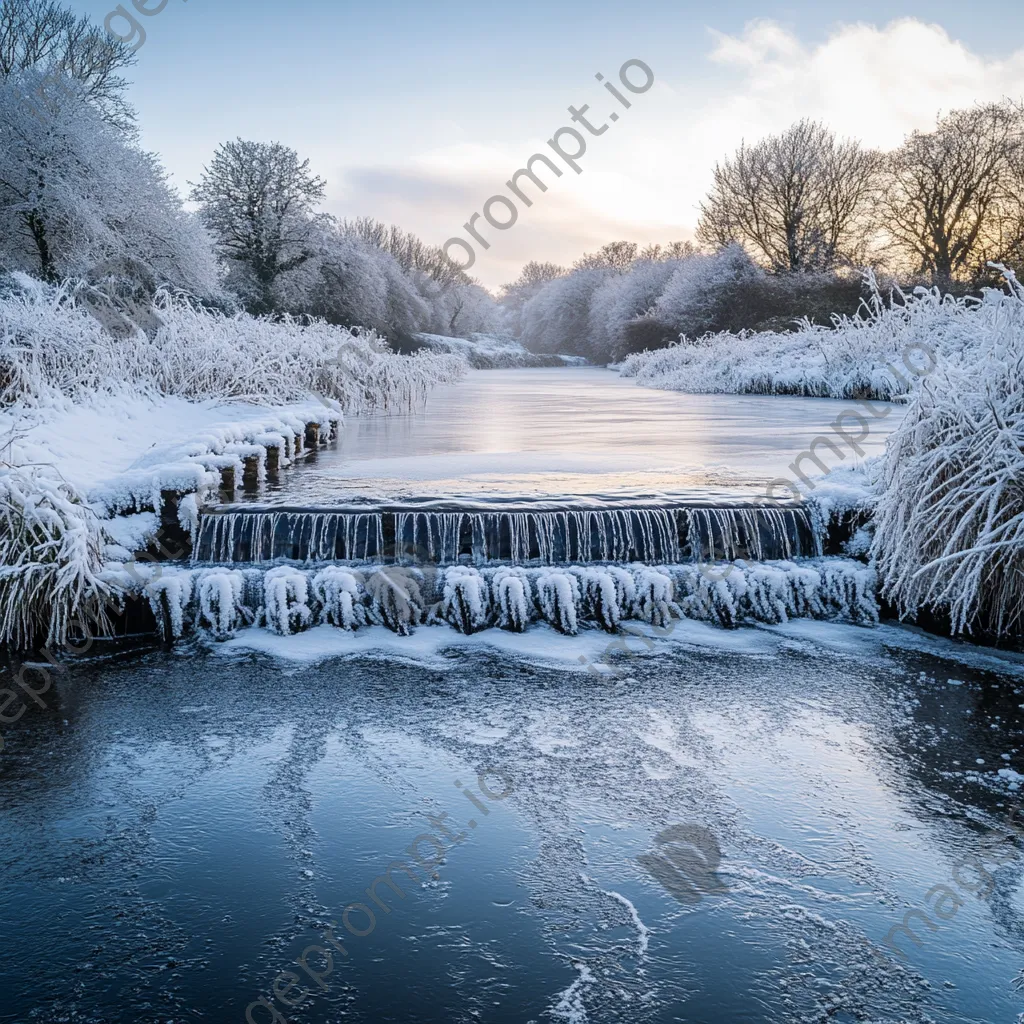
x=949 y=527
x=879 y=353
x=485 y=352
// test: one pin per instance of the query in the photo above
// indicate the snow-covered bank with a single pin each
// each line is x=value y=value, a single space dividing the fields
x=879 y=354
x=95 y=427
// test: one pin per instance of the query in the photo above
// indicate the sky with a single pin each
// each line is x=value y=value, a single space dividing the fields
x=417 y=113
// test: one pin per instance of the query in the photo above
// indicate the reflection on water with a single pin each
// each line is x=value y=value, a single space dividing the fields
x=176 y=829
x=575 y=431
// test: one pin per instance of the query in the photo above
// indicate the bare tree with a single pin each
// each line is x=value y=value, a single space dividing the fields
x=617 y=256
x=954 y=196
x=258 y=200
x=671 y=251
x=44 y=36
x=797 y=200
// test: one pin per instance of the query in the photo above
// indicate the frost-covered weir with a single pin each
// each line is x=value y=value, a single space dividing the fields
x=517 y=537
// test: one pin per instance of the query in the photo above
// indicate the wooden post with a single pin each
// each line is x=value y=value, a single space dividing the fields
x=251 y=472
x=313 y=434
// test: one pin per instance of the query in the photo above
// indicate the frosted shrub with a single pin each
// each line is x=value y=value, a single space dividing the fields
x=221 y=607
x=285 y=595
x=714 y=596
x=169 y=593
x=396 y=599
x=558 y=593
x=513 y=598
x=949 y=528
x=50 y=560
x=339 y=593
x=600 y=596
x=465 y=601
x=877 y=353
x=654 y=597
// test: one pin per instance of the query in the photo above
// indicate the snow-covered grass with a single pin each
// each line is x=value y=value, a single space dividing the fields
x=50 y=565
x=880 y=353
x=949 y=527
x=52 y=348
x=485 y=352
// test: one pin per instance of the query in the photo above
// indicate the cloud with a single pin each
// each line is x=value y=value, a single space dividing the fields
x=873 y=83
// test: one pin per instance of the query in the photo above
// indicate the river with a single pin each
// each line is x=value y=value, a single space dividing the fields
x=731 y=829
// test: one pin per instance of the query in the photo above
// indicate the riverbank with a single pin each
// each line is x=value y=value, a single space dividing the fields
x=106 y=441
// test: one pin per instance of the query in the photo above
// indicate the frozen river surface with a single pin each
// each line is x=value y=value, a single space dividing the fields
x=177 y=831
x=503 y=434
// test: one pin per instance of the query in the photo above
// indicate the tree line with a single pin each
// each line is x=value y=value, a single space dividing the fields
x=81 y=201
x=785 y=231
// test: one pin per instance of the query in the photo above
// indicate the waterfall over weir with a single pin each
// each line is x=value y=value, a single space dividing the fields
x=651 y=535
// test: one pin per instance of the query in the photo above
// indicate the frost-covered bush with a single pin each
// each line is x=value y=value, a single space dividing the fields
x=51 y=582
x=285 y=596
x=51 y=347
x=466 y=599
x=601 y=595
x=878 y=353
x=655 y=595
x=340 y=593
x=949 y=527
x=396 y=598
x=484 y=352
x=558 y=595
x=221 y=608
x=513 y=597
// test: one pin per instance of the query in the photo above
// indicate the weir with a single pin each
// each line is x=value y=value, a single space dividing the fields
x=513 y=536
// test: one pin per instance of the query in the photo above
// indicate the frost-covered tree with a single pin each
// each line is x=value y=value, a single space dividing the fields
x=514 y=295
x=43 y=36
x=953 y=196
x=671 y=251
x=410 y=251
x=691 y=300
x=258 y=200
x=75 y=192
x=352 y=283
x=621 y=300
x=798 y=201
x=557 y=318
x=617 y=256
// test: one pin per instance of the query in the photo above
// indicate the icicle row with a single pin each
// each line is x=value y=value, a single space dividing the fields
x=286 y=599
